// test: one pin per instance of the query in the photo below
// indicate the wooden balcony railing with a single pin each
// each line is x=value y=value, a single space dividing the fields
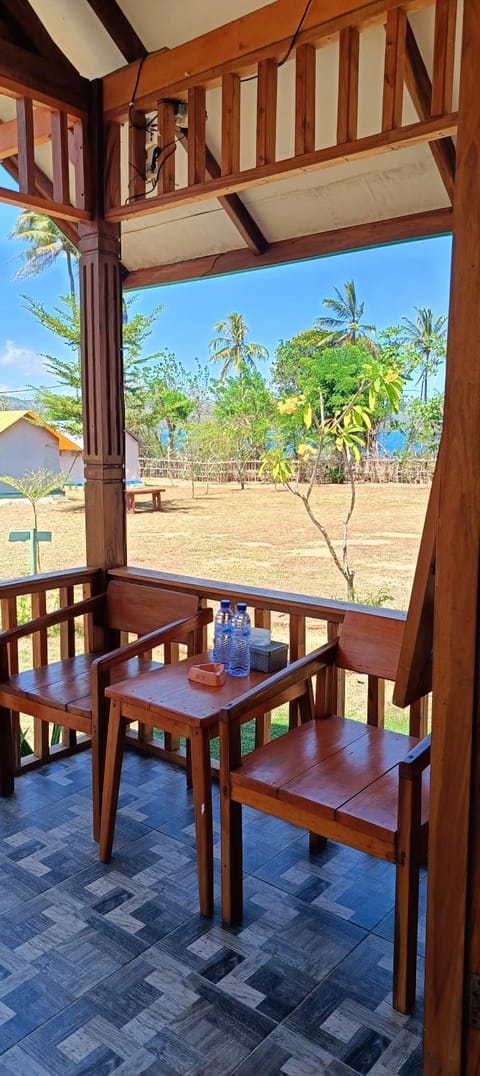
x=302 y=621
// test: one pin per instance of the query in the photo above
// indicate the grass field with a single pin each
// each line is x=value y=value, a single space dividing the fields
x=259 y=537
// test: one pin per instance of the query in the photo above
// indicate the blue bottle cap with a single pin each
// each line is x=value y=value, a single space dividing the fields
x=241 y=606
x=225 y=603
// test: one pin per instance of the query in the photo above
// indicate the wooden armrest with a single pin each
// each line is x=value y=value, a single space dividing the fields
x=171 y=633
x=69 y=612
x=264 y=694
x=417 y=760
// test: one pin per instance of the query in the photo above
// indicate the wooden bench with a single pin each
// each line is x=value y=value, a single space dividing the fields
x=71 y=692
x=137 y=491
x=356 y=783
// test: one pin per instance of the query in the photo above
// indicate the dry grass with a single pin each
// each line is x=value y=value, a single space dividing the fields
x=259 y=537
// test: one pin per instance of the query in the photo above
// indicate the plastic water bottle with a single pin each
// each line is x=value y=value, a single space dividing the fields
x=222 y=633
x=240 y=648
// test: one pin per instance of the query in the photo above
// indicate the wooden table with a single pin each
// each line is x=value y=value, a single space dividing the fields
x=140 y=491
x=168 y=700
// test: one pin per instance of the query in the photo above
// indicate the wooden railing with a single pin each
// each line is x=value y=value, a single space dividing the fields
x=304 y=622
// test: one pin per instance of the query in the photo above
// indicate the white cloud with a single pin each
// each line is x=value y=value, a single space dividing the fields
x=20 y=359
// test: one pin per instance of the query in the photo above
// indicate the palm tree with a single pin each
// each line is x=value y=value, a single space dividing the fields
x=45 y=243
x=345 y=326
x=426 y=337
x=231 y=347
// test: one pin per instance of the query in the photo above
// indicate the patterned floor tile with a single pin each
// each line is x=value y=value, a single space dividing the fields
x=111 y=969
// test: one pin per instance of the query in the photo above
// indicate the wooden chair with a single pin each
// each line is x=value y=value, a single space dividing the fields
x=71 y=692
x=358 y=784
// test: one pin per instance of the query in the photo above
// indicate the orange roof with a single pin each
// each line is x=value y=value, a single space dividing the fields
x=9 y=418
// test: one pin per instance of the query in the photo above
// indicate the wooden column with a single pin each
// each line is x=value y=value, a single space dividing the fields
x=453 y=932
x=102 y=381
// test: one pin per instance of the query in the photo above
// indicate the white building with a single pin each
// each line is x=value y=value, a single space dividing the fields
x=27 y=444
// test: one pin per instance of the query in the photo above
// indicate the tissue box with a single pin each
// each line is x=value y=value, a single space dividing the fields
x=268 y=659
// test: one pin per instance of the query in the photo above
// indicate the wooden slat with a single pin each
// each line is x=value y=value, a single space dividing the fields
x=419 y=86
x=26 y=158
x=418 y=720
x=334 y=678
x=438 y=222
x=40 y=657
x=347 y=108
x=305 y=61
x=61 y=181
x=166 y=145
x=378 y=653
x=237 y=46
x=67 y=628
x=266 y=112
x=394 y=74
x=42 y=129
x=443 y=56
x=263 y=723
x=113 y=195
x=376 y=702
x=230 y=125
x=196 y=136
x=375 y=810
x=297 y=649
x=9 y=620
x=369 y=146
x=42 y=205
x=136 y=155
x=78 y=143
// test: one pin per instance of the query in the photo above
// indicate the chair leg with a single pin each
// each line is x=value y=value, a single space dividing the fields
x=405 y=941
x=113 y=766
x=188 y=752
x=316 y=843
x=6 y=753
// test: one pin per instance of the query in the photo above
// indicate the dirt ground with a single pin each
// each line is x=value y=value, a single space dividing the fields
x=259 y=537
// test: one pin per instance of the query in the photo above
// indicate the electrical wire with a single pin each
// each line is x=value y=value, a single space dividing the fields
x=292 y=42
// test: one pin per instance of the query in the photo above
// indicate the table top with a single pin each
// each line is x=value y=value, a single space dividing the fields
x=169 y=692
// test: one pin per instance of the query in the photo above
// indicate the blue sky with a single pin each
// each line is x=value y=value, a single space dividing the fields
x=276 y=303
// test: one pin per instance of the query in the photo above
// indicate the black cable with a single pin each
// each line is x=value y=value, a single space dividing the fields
x=292 y=42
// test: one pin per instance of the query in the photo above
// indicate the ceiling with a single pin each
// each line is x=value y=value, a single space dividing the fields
x=351 y=193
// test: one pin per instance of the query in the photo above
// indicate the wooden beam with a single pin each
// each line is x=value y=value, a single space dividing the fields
x=453 y=949
x=266 y=112
x=370 y=146
x=394 y=69
x=44 y=189
x=119 y=28
x=42 y=130
x=237 y=47
x=234 y=207
x=321 y=244
x=60 y=163
x=305 y=79
x=26 y=160
x=196 y=140
x=347 y=109
x=167 y=146
x=230 y=125
x=443 y=56
x=22 y=26
x=23 y=73
x=136 y=155
x=420 y=89
x=41 y=205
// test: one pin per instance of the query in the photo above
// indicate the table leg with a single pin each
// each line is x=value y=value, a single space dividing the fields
x=156 y=498
x=113 y=765
x=130 y=503
x=202 y=799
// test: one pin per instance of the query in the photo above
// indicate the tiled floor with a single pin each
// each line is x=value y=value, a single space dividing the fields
x=111 y=969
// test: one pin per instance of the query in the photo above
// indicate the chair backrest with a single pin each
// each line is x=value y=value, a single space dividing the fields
x=140 y=609
x=370 y=644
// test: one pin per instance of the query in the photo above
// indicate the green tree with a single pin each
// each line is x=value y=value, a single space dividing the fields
x=33 y=485
x=345 y=325
x=244 y=411
x=343 y=434
x=232 y=348
x=44 y=243
x=65 y=406
x=421 y=425
x=425 y=340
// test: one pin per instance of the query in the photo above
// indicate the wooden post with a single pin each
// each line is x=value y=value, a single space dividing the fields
x=453 y=935
x=102 y=370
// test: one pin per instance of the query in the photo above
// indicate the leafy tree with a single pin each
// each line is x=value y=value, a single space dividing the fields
x=425 y=340
x=33 y=485
x=244 y=411
x=45 y=242
x=344 y=434
x=204 y=448
x=421 y=424
x=63 y=322
x=345 y=325
x=232 y=349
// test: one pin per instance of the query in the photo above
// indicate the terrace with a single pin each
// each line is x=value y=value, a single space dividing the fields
x=333 y=87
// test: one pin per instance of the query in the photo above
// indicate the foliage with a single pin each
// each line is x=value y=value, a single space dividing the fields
x=232 y=349
x=63 y=322
x=421 y=424
x=244 y=411
x=345 y=325
x=45 y=242
x=34 y=485
x=343 y=434
x=160 y=397
x=425 y=340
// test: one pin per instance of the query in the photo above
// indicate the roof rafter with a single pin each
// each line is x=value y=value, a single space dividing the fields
x=119 y=28
x=355 y=237
x=420 y=89
x=23 y=27
x=44 y=187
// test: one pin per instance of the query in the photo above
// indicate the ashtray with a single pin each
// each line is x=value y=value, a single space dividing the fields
x=212 y=674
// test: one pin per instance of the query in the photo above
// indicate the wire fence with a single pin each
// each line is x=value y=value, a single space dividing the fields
x=412 y=470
